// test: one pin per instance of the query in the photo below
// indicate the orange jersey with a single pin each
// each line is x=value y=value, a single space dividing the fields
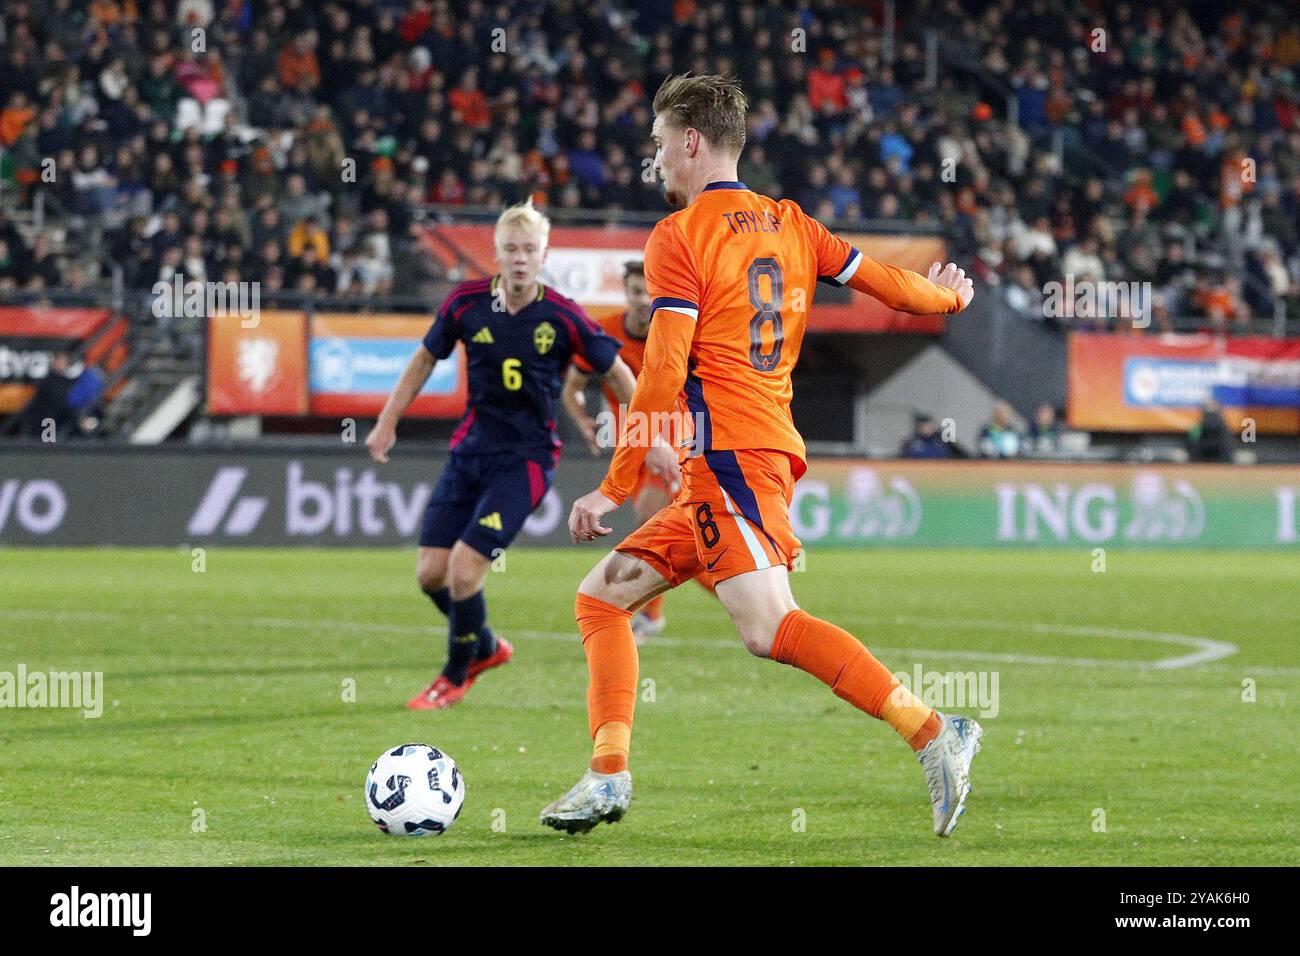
x=633 y=353
x=732 y=278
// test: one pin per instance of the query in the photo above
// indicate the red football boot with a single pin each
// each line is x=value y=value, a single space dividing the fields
x=441 y=693
x=502 y=655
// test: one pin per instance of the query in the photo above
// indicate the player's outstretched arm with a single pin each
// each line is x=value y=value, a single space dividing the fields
x=384 y=435
x=944 y=291
x=947 y=289
x=951 y=277
x=574 y=399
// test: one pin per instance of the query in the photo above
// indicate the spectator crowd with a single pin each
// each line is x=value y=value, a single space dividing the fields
x=293 y=142
x=1001 y=436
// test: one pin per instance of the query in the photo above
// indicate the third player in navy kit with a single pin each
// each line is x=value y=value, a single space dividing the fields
x=519 y=337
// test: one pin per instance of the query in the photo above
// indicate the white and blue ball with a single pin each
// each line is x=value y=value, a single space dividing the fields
x=414 y=790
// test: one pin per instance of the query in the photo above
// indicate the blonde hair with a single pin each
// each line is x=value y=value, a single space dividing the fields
x=523 y=216
x=715 y=105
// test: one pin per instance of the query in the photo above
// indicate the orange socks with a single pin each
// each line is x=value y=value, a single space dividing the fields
x=829 y=653
x=611 y=692
x=612 y=742
x=838 y=659
x=915 y=721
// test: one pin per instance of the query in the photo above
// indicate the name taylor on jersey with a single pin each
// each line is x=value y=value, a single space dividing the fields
x=748 y=220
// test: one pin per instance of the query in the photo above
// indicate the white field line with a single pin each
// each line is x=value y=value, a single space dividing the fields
x=1207 y=649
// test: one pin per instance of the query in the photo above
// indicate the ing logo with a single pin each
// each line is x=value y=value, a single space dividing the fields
x=877 y=510
x=1164 y=513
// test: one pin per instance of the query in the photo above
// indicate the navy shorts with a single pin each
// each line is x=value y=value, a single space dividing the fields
x=484 y=500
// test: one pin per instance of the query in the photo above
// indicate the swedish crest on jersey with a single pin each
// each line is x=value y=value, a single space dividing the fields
x=544 y=337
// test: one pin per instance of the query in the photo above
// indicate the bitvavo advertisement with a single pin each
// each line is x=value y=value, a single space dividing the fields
x=61 y=496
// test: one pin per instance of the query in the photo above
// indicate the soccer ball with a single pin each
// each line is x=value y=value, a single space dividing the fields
x=413 y=790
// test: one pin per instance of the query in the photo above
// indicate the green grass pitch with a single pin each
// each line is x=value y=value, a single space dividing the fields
x=225 y=693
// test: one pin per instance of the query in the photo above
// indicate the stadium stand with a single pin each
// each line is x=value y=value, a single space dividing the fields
x=298 y=145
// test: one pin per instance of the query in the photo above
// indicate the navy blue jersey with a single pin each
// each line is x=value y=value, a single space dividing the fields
x=516 y=363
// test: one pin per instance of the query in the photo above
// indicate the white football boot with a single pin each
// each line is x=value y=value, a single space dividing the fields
x=947 y=761
x=596 y=798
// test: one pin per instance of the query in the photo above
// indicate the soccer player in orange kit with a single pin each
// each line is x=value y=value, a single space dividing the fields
x=731 y=275
x=652 y=491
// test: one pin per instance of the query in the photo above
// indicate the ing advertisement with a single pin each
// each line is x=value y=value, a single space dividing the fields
x=263 y=497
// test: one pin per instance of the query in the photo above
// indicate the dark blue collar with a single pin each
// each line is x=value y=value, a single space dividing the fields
x=721 y=185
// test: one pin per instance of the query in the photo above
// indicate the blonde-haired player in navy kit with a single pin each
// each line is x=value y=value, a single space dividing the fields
x=519 y=337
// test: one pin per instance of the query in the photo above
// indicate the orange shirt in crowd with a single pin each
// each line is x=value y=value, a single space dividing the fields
x=12 y=123
x=470 y=107
x=294 y=64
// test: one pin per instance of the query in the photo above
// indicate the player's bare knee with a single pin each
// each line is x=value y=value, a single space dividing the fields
x=431 y=573
x=593 y=586
x=757 y=603
x=622 y=569
x=614 y=580
x=465 y=573
x=464 y=582
x=596 y=586
x=756 y=623
x=757 y=637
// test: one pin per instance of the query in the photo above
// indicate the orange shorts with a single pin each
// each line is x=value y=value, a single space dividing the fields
x=732 y=516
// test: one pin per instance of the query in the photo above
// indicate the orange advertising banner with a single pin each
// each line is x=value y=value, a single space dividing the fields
x=51 y=323
x=1133 y=383
x=31 y=335
x=260 y=370
x=586 y=264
